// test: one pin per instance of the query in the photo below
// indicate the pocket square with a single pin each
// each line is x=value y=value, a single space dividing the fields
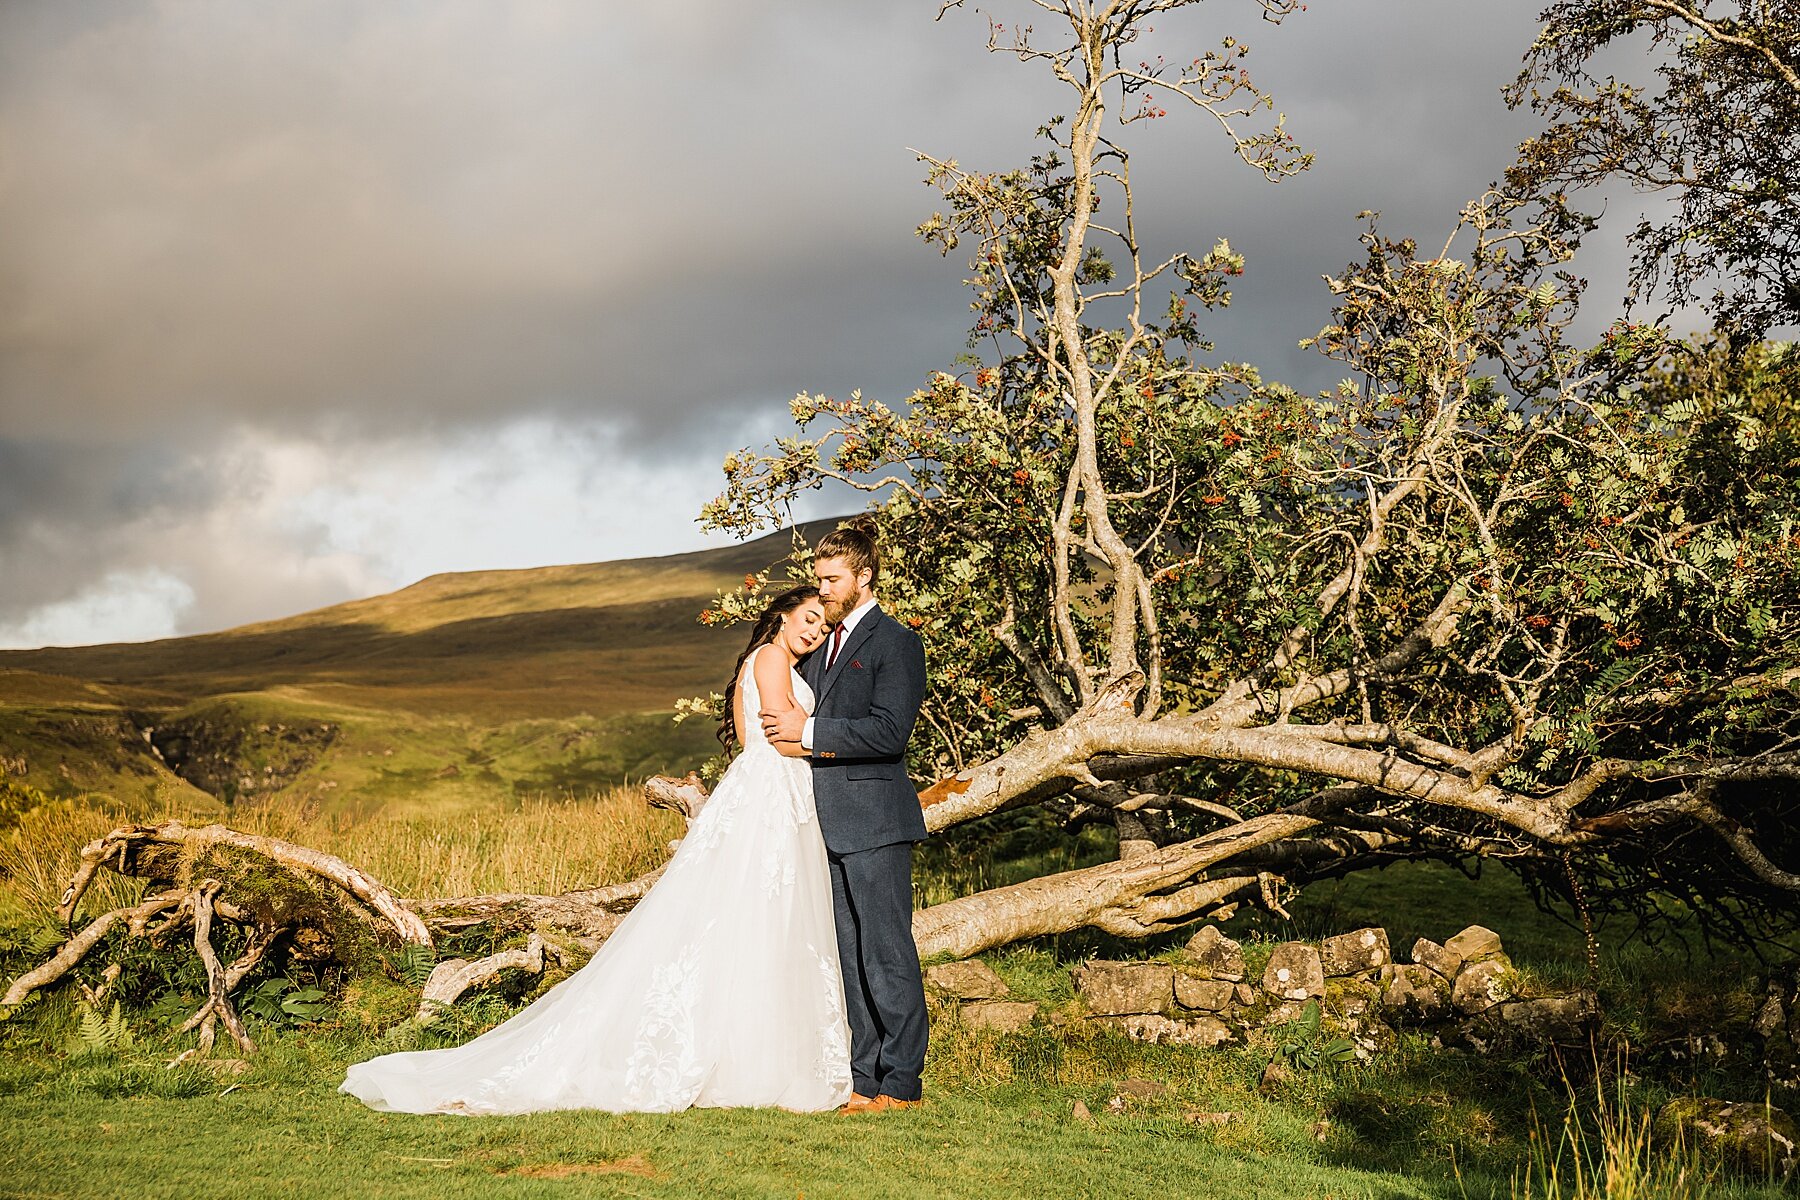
x=856 y=664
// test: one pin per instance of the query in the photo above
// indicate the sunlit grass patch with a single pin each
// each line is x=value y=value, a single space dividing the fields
x=540 y=844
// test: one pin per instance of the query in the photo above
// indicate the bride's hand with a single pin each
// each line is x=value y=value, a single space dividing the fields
x=785 y=725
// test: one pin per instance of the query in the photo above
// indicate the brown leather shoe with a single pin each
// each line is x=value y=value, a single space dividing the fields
x=887 y=1103
x=858 y=1103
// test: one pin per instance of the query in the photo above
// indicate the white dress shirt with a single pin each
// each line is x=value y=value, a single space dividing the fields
x=849 y=627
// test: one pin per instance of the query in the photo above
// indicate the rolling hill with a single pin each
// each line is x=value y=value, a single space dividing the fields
x=461 y=686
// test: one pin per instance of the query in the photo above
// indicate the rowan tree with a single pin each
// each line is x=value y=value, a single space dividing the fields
x=1492 y=596
x=1717 y=135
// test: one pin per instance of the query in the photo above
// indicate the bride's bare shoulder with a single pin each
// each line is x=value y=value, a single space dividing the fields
x=771 y=668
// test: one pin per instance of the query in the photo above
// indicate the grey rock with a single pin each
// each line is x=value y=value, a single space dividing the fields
x=1204 y=995
x=1355 y=952
x=1428 y=953
x=1195 y=1031
x=222 y=1066
x=1417 y=993
x=1373 y=1037
x=1349 y=997
x=1274 y=1076
x=1475 y=944
x=1480 y=986
x=1216 y=956
x=1125 y=988
x=1282 y=1013
x=1542 y=1020
x=1294 y=972
x=1770 y=1018
x=1002 y=1016
x=1142 y=1089
x=970 y=979
x=1209 y=1118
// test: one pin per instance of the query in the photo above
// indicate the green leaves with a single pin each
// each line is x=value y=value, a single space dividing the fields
x=278 y=1001
x=1303 y=1043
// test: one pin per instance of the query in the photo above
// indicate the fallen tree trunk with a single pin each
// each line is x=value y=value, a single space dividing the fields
x=588 y=916
x=1152 y=891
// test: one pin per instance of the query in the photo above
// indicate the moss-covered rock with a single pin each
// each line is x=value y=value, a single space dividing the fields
x=1758 y=1139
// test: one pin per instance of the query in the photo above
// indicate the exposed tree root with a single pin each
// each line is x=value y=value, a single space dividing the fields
x=69 y=956
x=589 y=915
x=451 y=978
x=1154 y=889
x=218 y=1007
x=159 y=851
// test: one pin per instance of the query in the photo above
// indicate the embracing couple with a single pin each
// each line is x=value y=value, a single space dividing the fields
x=773 y=963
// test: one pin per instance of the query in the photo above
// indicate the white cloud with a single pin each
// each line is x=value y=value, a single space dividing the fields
x=526 y=493
x=297 y=523
x=124 y=606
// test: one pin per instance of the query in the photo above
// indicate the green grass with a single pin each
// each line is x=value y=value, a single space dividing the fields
x=1000 y=1122
x=105 y=1127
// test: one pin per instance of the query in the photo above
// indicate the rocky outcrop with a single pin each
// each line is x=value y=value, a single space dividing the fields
x=222 y=750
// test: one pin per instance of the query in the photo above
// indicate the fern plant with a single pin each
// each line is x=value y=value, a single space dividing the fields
x=98 y=1034
x=412 y=964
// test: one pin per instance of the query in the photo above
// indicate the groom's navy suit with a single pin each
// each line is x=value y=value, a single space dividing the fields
x=869 y=814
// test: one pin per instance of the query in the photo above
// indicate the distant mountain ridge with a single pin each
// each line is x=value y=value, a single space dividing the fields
x=457 y=669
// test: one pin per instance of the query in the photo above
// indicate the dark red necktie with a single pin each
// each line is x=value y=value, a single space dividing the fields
x=837 y=640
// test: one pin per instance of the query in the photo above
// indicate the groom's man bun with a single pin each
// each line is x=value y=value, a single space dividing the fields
x=854 y=542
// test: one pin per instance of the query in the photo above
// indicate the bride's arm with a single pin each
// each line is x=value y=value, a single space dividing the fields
x=775 y=685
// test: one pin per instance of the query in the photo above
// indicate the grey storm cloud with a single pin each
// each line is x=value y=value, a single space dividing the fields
x=350 y=222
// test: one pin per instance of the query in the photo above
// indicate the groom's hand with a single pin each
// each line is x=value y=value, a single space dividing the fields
x=785 y=726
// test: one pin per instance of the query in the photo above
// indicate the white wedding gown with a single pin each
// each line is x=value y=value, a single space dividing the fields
x=720 y=989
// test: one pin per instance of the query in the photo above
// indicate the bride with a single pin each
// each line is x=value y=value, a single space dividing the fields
x=720 y=989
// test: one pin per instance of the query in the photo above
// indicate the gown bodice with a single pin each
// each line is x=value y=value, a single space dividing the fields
x=752 y=701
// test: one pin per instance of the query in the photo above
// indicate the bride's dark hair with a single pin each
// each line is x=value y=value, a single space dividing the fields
x=767 y=626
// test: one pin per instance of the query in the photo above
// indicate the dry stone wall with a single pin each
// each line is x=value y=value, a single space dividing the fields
x=1463 y=991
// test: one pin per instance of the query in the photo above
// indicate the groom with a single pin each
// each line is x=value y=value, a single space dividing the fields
x=868 y=680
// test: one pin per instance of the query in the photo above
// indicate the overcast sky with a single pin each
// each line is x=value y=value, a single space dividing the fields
x=303 y=300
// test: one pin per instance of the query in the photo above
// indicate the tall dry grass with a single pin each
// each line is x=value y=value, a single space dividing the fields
x=39 y=854
x=1610 y=1152
x=544 y=844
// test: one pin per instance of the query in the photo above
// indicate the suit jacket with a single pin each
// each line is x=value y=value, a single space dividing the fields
x=863 y=714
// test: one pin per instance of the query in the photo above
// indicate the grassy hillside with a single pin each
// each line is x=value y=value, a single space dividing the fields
x=460 y=687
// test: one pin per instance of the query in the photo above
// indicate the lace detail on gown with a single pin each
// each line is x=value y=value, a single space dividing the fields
x=722 y=988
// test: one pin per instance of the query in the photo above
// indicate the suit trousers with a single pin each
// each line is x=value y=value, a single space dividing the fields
x=884 y=995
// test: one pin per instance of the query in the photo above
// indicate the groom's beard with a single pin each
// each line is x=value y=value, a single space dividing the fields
x=837 y=610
